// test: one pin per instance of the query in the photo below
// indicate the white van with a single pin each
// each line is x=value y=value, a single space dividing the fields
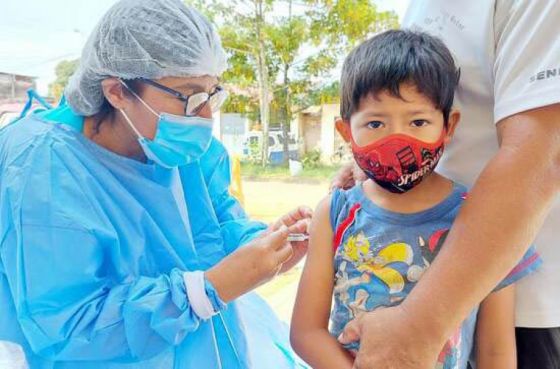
x=253 y=141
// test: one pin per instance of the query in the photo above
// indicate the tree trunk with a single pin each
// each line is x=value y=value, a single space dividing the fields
x=287 y=104
x=287 y=116
x=262 y=78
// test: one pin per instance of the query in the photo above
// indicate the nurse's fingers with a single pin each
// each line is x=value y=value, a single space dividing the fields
x=301 y=226
x=302 y=212
x=276 y=239
x=305 y=212
x=284 y=254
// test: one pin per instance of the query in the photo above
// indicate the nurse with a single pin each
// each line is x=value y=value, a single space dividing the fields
x=120 y=245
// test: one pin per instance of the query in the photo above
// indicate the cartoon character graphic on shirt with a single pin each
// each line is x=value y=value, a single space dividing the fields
x=378 y=265
x=344 y=284
x=357 y=250
x=433 y=246
x=449 y=357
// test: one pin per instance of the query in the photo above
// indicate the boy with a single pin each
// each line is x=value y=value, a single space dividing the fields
x=378 y=238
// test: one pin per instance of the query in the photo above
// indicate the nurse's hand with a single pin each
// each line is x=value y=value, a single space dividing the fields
x=297 y=221
x=348 y=176
x=251 y=265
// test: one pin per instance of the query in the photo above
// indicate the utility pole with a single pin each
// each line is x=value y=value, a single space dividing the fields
x=287 y=111
x=262 y=77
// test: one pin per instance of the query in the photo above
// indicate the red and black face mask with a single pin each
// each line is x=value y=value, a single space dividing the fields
x=398 y=162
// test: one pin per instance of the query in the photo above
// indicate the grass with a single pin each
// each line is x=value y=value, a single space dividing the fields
x=286 y=280
x=269 y=199
x=257 y=172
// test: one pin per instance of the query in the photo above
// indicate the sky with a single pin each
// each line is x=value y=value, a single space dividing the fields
x=35 y=35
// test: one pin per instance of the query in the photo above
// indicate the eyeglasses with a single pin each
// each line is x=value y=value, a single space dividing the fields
x=196 y=102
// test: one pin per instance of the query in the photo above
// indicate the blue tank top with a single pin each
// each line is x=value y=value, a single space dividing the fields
x=380 y=255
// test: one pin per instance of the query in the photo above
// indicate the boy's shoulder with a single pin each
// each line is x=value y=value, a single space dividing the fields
x=456 y=198
x=340 y=197
x=461 y=190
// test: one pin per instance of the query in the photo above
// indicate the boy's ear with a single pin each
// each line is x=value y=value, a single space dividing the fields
x=343 y=128
x=454 y=118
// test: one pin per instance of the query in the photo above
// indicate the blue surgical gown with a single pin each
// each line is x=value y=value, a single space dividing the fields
x=92 y=250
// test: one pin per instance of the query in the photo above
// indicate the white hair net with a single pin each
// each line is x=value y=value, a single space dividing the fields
x=144 y=38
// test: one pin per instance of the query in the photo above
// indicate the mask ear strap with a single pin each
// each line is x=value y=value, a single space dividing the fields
x=139 y=98
x=130 y=123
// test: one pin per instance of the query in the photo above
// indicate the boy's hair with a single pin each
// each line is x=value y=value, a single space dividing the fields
x=392 y=58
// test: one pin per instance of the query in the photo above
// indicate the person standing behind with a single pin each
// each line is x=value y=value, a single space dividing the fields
x=508 y=148
x=378 y=238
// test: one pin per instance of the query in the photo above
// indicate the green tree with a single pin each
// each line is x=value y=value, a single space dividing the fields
x=63 y=71
x=244 y=34
x=287 y=35
x=341 y=24
x=332 y=28
x=267 y=69
x=260 y=8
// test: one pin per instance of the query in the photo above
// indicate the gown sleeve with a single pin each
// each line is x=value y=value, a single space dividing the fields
x=237 y=228
x=73 y=296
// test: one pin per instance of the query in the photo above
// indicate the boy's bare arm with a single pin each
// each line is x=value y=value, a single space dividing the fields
x=309 y=329
x=495 y=337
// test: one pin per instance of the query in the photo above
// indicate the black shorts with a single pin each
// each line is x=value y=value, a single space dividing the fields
x=538 y=348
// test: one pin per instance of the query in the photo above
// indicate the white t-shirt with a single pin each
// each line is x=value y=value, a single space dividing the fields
x=509 y=55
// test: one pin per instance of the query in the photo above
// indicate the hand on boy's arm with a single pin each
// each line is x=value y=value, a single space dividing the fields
x=348 y=176
x=309 y=334
x=389 y=339
x=495 y=335
x=505 y=210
